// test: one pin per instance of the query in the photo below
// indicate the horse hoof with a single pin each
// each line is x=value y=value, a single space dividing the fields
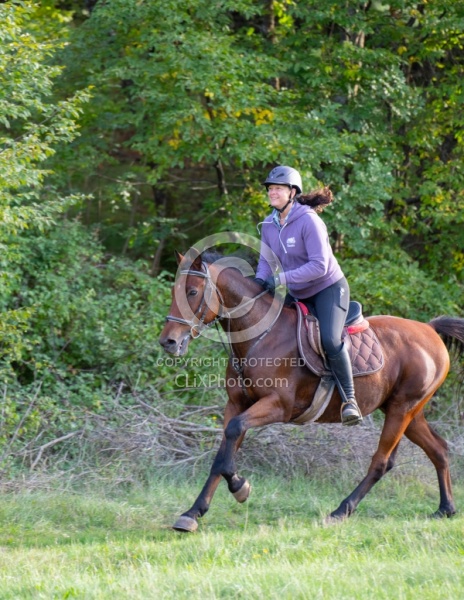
x=442 y=514
x=185 y=524
x=334 y=520
x=242 y=494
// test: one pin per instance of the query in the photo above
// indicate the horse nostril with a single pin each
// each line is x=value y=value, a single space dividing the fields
x=167 y=343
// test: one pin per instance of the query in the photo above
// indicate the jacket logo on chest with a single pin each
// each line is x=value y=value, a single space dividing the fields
x=291 y=242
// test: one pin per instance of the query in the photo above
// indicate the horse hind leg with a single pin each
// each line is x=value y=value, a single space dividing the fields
x=382 y=461
x=392 y=458
x=435 y=447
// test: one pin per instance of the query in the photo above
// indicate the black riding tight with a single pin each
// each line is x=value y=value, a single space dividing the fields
x=330 y=307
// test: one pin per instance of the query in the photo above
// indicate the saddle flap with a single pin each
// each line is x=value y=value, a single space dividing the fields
x=308 y=339
x=362 y=342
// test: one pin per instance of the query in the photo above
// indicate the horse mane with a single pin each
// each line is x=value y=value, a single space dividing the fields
x=211 y=256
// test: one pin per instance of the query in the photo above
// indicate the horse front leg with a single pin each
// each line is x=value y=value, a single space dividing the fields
x=188 y=522
x=265 y=411
x=239 y=487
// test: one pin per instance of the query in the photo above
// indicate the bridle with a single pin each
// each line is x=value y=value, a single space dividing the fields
x=197 y=323
x=197 y=326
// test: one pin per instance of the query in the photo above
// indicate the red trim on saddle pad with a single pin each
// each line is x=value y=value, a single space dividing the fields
x=304 y=308
x=357 y=327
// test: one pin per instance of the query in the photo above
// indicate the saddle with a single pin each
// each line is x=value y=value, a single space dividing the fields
x=362 y=344
x=360 y=339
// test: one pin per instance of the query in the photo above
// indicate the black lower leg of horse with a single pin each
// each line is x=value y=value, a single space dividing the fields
x=224 y=463
x=392 y=458
x=267 y=410
x=188 y=520
x=223 y=466
x=264 y=412
x=435 y=447
x=349 y=504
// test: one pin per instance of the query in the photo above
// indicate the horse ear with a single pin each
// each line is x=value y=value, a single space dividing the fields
x=194 y=256
x=179 y=257
x=196 y=265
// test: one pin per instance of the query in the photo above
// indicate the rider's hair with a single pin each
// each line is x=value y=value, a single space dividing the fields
x=317 y=199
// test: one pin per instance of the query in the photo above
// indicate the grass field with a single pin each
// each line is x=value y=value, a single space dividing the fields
x=99 y=544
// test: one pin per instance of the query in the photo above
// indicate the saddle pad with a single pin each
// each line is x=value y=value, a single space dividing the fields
x=363 y=346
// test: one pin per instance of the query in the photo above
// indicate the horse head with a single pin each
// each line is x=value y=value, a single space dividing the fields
x=196 y=304
x=212 y=289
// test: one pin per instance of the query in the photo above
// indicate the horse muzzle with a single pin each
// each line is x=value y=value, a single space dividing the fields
x=177 y=347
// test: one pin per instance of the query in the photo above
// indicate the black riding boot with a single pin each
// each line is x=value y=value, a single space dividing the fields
x=342 y=371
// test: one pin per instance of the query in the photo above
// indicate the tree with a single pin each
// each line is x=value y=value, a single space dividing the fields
x=32 y=125
x=129 y=127
x=187 y=118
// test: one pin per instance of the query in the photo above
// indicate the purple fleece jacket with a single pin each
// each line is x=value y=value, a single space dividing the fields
x=303 y=248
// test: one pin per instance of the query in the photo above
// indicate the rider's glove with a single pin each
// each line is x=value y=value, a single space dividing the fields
x=271 y=283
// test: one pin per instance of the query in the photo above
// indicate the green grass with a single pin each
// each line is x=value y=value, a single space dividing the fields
x=94 y=545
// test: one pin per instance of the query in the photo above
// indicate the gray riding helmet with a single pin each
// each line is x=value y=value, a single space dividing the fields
x=285 y=176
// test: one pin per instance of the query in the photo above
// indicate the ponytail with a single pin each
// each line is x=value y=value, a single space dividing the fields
x=317 y=199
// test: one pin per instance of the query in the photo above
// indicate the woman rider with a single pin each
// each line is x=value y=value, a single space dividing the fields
x=298 y=237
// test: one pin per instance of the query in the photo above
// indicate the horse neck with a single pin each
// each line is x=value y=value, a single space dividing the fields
x=236 y=290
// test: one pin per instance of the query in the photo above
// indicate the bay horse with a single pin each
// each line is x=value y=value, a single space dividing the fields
x=416 y=363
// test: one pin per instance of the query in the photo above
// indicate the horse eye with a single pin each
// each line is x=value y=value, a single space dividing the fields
x=192 y=293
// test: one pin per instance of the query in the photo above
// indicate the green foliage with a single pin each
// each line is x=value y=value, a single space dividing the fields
x=86 y=328
x=32 y=123
x=32 y=126
x=130 y=128
x=188 y=118
x=89 y=314
x=75 y=322
x=397 y=286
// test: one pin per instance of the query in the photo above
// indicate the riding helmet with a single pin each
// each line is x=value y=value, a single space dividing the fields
x=285 y=176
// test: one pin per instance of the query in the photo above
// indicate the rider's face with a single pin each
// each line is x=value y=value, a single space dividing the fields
x=279 y=195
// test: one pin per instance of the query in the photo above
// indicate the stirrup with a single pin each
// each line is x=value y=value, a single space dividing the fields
x=350 y=413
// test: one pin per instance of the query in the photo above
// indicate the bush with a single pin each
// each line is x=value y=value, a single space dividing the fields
x=86 y=317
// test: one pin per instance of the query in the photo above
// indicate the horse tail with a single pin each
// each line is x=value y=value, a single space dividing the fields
x=451 y=330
